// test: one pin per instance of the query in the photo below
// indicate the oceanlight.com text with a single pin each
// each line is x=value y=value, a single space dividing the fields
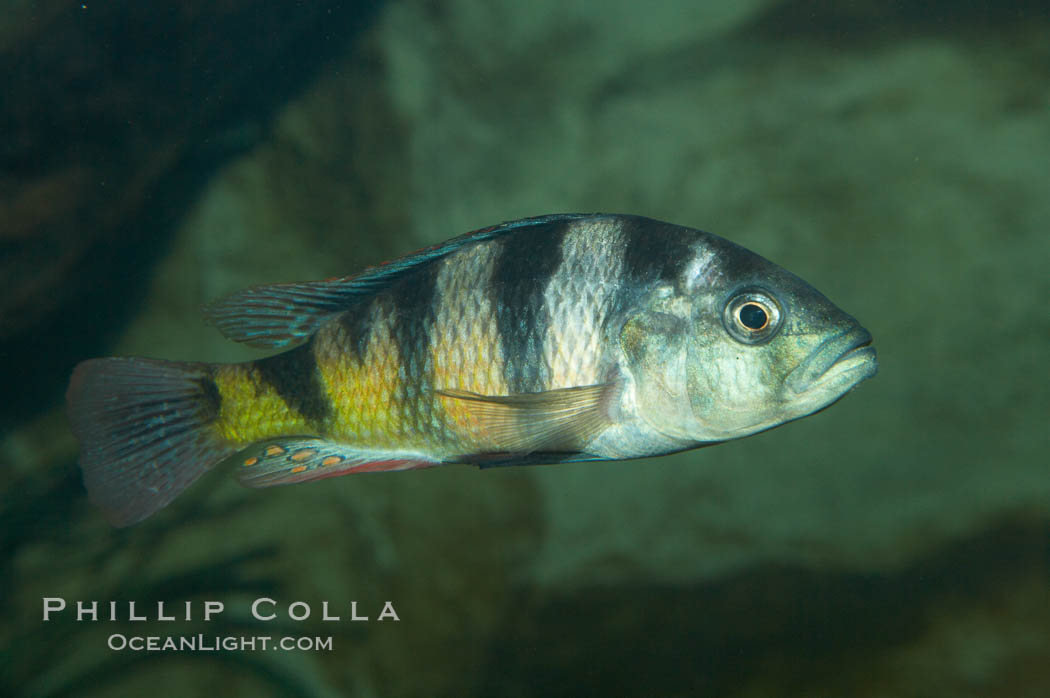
x=200 y=642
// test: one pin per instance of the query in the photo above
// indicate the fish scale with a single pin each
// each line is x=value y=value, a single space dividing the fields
x=466 y=342
x=559 y=338
x=250 y=407
x=361 y=386
x=579 y=297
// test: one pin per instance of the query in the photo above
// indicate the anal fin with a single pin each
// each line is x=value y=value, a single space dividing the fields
x=300 y=459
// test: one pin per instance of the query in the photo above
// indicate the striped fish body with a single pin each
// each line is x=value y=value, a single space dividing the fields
x=526 y=313
x=545 y=340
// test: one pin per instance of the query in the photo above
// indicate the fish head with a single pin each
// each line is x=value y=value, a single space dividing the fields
x=739 y=345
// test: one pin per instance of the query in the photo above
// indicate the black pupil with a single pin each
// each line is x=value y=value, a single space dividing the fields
x=753 y=317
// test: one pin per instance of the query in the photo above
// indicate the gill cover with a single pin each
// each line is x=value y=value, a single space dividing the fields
x=654 y=346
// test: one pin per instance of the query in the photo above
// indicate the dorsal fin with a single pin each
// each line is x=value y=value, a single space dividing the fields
x=279 y=316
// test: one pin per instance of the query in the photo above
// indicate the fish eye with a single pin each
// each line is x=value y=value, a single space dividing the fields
x=752 y=316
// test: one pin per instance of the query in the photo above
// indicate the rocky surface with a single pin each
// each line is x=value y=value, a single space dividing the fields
x=890 y=162
x=114 y=117
x=893 y=545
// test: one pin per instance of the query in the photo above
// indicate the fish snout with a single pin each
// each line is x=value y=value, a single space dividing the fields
x=848 y=351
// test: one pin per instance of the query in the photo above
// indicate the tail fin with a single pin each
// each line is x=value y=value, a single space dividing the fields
x=143 y=427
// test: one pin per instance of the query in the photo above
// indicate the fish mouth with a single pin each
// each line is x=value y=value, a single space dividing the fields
x=842 y=360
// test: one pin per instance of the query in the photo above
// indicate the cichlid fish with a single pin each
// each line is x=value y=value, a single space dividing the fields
x=552 y=339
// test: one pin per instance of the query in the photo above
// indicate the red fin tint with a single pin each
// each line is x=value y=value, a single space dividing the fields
x=301 y=459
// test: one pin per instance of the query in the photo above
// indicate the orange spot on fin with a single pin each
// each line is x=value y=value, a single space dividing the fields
x=293 y=460
x=302 y=455
x=251 y=461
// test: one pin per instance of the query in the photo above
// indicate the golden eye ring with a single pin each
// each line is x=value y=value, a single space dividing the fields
x=753 y=316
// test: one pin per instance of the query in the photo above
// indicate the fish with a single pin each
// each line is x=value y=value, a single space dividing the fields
x=554 y=339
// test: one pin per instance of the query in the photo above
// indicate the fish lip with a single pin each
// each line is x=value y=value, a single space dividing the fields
x=849 y=350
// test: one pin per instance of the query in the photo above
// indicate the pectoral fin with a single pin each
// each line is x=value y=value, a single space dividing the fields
x=562 y=420
x=301 y=459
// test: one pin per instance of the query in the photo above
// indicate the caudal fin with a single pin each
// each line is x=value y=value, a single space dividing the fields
x=145 y=433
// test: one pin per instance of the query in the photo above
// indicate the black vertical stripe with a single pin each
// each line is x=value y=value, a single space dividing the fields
x=356 y=325
x=294 y=376
x=523 y=269
x=414 y=299
x=211 y=398
x=654 y=253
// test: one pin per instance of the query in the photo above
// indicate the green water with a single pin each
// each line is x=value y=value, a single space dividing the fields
x=897 y=544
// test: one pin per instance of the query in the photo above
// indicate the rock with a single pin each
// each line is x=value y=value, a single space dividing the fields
x=830 y=151
x=894 y=544
x=114 y=115
x=311 y=202
x=963 y=621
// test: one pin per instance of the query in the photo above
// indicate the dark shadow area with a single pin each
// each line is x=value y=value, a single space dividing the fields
x=44 y=510
x=142 y=104
x=703 y=639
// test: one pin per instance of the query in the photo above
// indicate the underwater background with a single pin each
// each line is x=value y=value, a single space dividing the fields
x=155 y=156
